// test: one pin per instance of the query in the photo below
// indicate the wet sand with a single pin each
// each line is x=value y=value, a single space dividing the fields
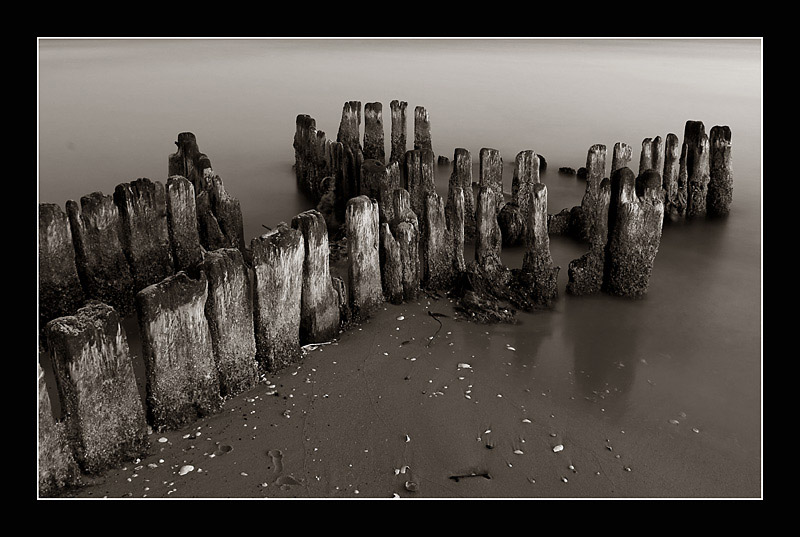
x=387 y=412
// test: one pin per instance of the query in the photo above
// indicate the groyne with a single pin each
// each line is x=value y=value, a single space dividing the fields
x=215 y=312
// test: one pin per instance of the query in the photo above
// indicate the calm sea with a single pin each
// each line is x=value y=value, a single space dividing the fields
x=110 y=111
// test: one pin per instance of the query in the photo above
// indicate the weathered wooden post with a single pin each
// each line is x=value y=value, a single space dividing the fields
x=405 y=228
x=391 y=267
x=208 y=228
x=586 y=273
x=635 y=235
x=720 y=184
x=228 y=212
x=436 y=245
x=373 y=132
x=229 y=310
x=513 y=217
x=488 y=239
x=538 y=263
x=621 y=157
x=462 y=175
x=455 y=217
x=101 y=405
x=56 y=462
x=674 y=190
x=422 y=129
x=182 y=223
x=419 y=171
x=319 y=310
x=491 y=175
x=305 y=133
x=353 y=154
x=278 y=258
x=595 y=171
x=398 y=134
x=695 y=162
x=373 y=177
x=60 y=291
x=188 y=161
x=144 y=231
x=651 y=157
x=392 y=180
x=182 y=379
x=363 y=252
x=101 y=261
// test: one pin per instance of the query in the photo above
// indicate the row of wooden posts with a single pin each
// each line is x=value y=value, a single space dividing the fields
x=214 y=311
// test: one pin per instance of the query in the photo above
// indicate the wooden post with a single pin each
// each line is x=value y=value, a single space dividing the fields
x=720 y=185
x=455 y=217
x=595 y=171
x=99 y=256
x=436 y=245
x=398 y=136
x=145 y=233
x=391 y=267
x=586 y=273
x=695 y=162
x=514 y=215
x=56 y=462
x=538 y=261
x=319 y=310
x=621 y=157
x=188 y=161
x=373 y=178
x=353 y=154
x=182 y=379
x=462 y=175
x=674 y=192
x=229 y=310
x=405 y=228
x=182 y=223
x=278 y=258
x=373 y=132
x=488 y=239
x=635 y=235
x=101 y=405
x=363 y=244
x=419 y=168
x=652 y=156
x=228 y=212
x=422 y=129
x=60 y=291
x=491 y=175
x=304 y=139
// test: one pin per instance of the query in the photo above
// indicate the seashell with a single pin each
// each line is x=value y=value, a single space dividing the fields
x=186 y=469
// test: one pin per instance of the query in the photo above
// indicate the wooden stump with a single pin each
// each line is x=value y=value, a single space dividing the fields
x=278 y=258
x=60 y=290
x=363 y=243
x=182 y=379
x=102 y=408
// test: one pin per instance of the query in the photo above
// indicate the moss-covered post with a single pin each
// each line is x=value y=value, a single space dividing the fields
x=182 y=379
x=60 y=290
x=278 y=258
x=101 y=405
x=229 y=310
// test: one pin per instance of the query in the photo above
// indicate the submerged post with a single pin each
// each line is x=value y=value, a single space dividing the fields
x=635 y=235
x=103 y=412
x=695 y=162
x=720 y=184
x=278 y=277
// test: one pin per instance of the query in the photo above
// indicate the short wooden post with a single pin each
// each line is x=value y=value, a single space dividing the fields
x=363 y=244
x=182 y=223
x=60 y=290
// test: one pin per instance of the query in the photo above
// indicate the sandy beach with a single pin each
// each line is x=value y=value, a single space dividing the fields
x=386 y=412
